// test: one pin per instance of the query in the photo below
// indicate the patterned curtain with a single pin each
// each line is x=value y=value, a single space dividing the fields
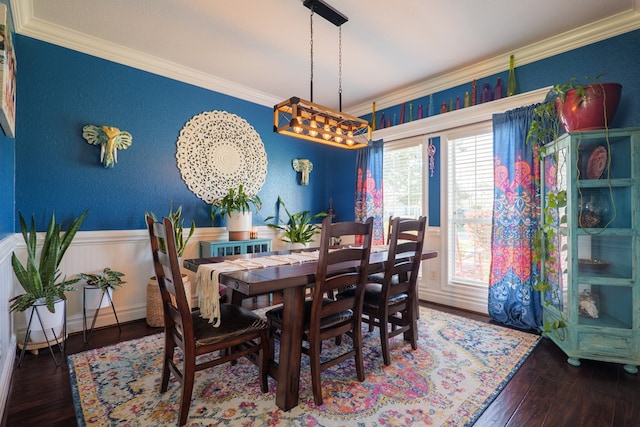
x=512 y=299
x=369 y=188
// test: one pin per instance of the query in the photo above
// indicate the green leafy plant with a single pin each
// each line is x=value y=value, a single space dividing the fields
x=236 y=200
x=178 y=228
x=545 y=126
x=299 y=227
x=40 y=279
x=109 y=279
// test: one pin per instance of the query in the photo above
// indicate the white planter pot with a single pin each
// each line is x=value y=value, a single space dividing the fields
x=239 y=225
x=93 y=298
x=297 y=246
x=53 y=323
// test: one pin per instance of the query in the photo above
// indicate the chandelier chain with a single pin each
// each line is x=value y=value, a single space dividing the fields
x=340 y=60
x=311 y=51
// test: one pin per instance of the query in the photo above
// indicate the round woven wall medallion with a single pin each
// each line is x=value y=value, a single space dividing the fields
x=219 y=150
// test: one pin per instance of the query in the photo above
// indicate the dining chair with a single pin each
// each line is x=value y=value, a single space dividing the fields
x=240 y=333
x=392 y=304
x=325 y=318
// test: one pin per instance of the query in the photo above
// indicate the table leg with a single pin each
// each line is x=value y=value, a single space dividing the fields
x=290 y=348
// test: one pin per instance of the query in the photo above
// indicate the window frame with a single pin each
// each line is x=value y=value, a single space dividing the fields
x=434 y=283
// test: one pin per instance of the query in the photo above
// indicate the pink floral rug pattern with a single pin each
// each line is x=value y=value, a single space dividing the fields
x=458 y=369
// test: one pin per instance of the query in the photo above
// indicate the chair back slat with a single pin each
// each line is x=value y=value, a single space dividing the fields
x=341 y=267
x=176 y=310
x=406 y=241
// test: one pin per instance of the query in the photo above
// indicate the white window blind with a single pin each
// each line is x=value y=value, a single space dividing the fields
x=402 y=177
x=470 y=205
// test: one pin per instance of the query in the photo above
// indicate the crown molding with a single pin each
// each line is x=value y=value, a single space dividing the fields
x=458 y=118
x=26 y=24
x=594 y=32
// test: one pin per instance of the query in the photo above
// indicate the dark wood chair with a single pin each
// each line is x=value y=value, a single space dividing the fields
x=241 y=332
x=391 y=303
x=326 y=318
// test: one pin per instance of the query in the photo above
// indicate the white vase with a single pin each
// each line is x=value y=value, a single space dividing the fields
x=52 y=323
x=239 y=225
x=93 y=298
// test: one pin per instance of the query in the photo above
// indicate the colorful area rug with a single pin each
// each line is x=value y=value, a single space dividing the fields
x=459 y=368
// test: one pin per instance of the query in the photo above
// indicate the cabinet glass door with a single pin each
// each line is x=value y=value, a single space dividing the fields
x=554 y=178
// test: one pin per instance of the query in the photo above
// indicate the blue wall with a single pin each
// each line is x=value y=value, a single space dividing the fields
x=616 y=57
x=60 y=91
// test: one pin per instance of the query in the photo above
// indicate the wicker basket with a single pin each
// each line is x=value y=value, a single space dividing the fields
x=155 y=317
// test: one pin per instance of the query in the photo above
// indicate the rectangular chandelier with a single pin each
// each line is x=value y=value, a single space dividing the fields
x=303 y=119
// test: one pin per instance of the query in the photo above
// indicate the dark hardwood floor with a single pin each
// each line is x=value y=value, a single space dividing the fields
x=546 y=391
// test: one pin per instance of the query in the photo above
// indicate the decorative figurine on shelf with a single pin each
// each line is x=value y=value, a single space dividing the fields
x=110 y=139
x=373 y=116
x=410 y=112
x=420 y=111
x=443 y=107
x=304 y=166
x=402 y=114
x=467 y=101
x=382 y=121
x=474 y=92
x=511 y=81
x=497 y=91
x=431 y=111
x=458 y=102
x=486 y=93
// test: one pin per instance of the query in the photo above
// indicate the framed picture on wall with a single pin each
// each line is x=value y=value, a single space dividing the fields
x=7 y=76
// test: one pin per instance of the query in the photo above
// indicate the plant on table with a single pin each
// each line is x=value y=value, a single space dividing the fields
x=299 y=227
x=40 y=278
x=236 y=200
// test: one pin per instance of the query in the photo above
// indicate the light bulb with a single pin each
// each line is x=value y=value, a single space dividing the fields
x=350 y=138
x=338 y=138
x=296 y=124
x=326 y=134
x=314 y=125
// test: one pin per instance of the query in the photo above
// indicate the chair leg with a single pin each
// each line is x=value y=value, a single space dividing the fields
x=314 y=362
x=357 y=344
x=413 y=328
x=384 y=339
x=264 y=359
x=188 y=375
x=169 y=348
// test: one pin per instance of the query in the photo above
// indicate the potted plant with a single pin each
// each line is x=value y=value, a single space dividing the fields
x=298 y=229
x=40 y=278
x=570 y=106
x=155 y=317
x=178 y=228
x=235 y=207
x=100 y=284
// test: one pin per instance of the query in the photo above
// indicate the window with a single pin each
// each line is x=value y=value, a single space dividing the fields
x=402 y=177
x=469 y=207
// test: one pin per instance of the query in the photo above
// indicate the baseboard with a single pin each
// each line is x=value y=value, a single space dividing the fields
x=5 y=378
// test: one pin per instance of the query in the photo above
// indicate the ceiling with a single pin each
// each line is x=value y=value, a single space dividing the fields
x=259 y=50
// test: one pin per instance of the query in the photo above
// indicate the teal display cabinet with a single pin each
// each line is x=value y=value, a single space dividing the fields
x=234 y=247
x=593 y=304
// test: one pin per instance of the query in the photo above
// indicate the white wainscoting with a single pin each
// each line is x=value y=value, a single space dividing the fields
x=434 y=284
x=7 y=337
x=128 y=251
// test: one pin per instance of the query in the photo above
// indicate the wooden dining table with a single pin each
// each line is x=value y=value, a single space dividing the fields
x=291 y=280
